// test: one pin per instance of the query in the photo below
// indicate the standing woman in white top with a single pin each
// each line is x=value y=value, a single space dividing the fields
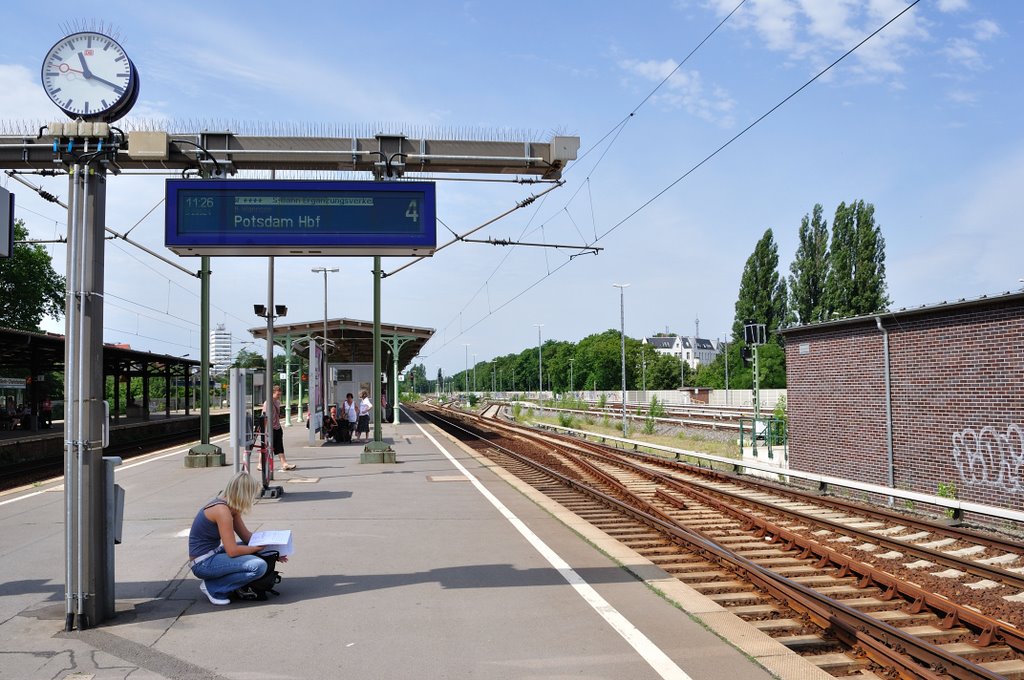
x=363 y=426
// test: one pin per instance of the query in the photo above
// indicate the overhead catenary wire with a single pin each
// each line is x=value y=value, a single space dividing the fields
x=614 y=133
x=695 y=167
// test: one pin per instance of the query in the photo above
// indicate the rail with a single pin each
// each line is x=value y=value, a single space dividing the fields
x=823 y=481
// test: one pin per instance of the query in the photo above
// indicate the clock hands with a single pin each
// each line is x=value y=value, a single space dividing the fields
x=89 y=75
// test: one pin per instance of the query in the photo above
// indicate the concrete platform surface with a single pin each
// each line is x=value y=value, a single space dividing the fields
x=433 y=567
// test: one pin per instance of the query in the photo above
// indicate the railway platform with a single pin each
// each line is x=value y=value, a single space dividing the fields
x=433 y=567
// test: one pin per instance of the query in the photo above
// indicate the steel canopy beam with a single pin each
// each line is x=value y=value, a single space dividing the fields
x=149 y=150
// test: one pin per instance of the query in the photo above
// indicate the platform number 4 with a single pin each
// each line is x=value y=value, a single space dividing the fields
x=413 y=211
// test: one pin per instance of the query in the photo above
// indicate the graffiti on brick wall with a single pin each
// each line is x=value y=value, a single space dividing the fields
x=989 y=458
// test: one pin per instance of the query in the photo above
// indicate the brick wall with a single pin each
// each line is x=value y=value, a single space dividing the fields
x=957 y=380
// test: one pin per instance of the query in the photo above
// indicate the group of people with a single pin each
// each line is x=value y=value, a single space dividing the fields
x=218 y=545
x=353 y=422
x=20 y=415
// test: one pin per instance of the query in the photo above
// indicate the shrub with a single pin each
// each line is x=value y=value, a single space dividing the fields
x=657 y=409
x=947 y=490
x=566 y=419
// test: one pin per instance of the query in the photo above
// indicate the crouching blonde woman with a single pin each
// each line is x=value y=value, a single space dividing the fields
x=223 y=564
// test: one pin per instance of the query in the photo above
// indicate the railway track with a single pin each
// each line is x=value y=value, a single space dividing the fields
x=30 y=472
x=707 y=417
x=858 y=594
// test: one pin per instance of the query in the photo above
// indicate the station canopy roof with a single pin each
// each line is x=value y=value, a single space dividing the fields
x=26 y=351
x=350 y=341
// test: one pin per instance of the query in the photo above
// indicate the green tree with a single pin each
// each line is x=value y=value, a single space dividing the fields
x=869 y=288
x=762 y=294
x=839 y=283
x=809 y=269
x=663 y=373
x=856 y=279
x=249 y=359
x=30 y=289
x=601 y=358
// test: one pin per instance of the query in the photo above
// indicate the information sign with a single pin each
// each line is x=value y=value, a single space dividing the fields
x=294 y=217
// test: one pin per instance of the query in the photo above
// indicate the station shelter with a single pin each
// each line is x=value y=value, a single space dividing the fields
x=349 y=352
x=32 y=373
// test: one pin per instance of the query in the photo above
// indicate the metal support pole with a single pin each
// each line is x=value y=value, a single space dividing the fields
x=396 y=346
x=727 y=398
x=540 y=362
x=90 y=577
x=376 y=451
x=288 y=380
x=622 y=325
x=204 y=447
x=757 y=389
x=268 y=384
x=325 y=271
x=395 y=343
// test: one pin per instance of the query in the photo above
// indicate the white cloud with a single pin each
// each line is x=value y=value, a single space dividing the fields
x=830 y=20
x=685 y=90
x=952 y=5
x=817 y=31
x=22 y=96
x=986 y=29
x=776 y=22
x=962 y=97
x=963 y=52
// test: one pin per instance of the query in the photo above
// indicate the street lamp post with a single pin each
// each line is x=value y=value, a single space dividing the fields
x=643 y=359
x=682 y=364
x=474 y=372
x=270 y=311
x=325 y=271
x=540 y=362
x=622 y=325
x=727 y=398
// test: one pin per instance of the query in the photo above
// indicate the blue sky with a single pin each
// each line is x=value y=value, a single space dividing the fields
x=923 y=121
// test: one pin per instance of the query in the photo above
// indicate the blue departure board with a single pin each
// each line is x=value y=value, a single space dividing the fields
x=298 y=217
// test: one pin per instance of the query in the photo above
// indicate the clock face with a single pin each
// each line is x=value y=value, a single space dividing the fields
x=88 y=75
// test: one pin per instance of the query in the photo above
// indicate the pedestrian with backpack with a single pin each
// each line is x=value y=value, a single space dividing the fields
x=223 y=563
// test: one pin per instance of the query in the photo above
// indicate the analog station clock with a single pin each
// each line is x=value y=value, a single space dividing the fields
x=89 y=76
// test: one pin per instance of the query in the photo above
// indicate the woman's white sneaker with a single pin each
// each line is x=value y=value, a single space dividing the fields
x=213 y=600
